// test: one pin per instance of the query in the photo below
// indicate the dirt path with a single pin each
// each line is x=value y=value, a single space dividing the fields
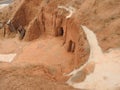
x=44 y=58
x=106 y=75
x=49 y=52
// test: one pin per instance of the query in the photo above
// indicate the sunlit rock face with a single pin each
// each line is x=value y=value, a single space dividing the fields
x=64 y=46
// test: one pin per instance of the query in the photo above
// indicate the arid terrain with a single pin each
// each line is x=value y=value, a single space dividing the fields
x=59 y=45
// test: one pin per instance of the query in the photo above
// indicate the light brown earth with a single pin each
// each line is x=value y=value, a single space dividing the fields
x=37 y=68
x=44 y=56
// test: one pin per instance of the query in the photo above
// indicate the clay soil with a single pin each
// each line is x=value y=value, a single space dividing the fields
x=43 y=56
x=36 y=67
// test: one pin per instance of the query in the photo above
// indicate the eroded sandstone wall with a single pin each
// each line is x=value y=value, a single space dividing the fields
x=49 y=20
x=26 y=13
x=44 y=16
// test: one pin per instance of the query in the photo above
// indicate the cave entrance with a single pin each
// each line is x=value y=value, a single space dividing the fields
x=71 y=46
x=61 y=32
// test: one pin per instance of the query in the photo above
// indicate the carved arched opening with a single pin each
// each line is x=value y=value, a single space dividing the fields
x=61 y=31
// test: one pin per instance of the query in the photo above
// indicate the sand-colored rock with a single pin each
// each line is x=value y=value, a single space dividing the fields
x=55 y=39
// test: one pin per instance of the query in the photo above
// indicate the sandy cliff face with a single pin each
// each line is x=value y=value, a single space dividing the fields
x=63 y=19
x=100 y=16
x=44 y=17
x=103 y=17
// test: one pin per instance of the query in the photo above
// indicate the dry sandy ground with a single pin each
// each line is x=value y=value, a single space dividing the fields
x=27 y=67
x=106 y=75
x=26 y=70
x=36 y=66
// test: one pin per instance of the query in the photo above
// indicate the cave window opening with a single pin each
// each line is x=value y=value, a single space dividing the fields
x=61 y=32
x=71 y=46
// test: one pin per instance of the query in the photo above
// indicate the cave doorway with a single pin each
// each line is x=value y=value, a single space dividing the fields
x=71 y=46
x=61 y=31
